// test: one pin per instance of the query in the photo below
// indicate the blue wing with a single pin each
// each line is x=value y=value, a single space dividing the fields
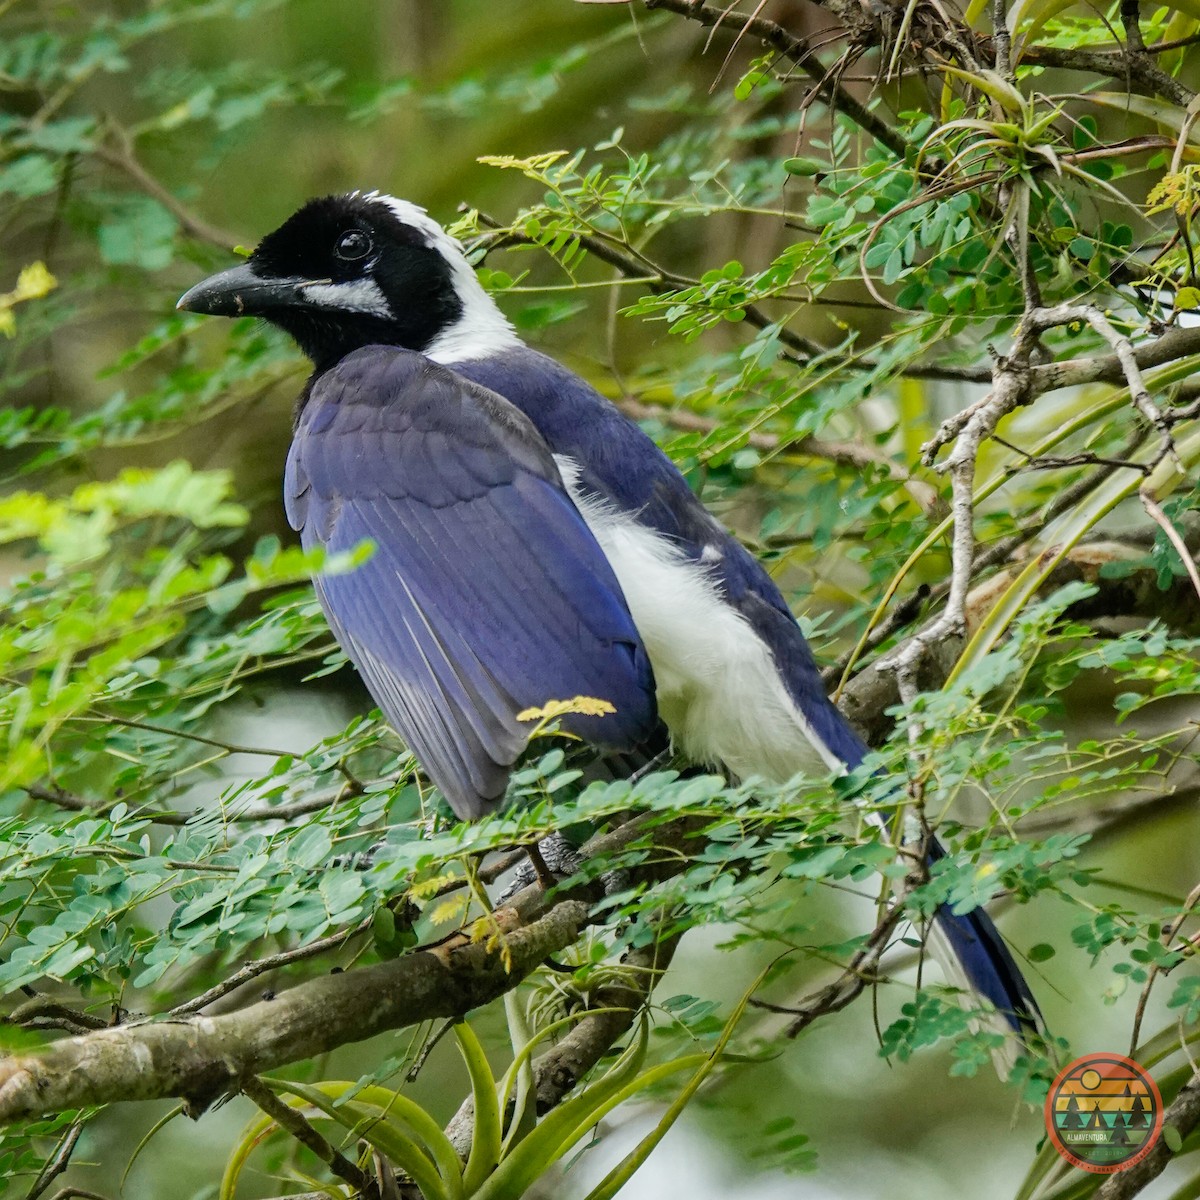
x=486 y=593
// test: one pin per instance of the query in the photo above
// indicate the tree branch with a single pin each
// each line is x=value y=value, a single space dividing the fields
x=798 y=51
x=58 y=1162
x=1183 y=1114
x=1109 y=368
x=1130 y=64
x=201 y=1058
x=123 y=159
x=293 y=1121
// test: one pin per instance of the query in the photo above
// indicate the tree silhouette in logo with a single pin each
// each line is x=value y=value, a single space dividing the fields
x=1072 y=1119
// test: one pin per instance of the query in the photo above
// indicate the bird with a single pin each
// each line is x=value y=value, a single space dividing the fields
x=532 y=543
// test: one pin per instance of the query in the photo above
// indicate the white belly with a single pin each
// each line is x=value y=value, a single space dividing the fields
x=718 y=687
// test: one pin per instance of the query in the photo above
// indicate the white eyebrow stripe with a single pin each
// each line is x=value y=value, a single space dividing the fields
x=481 y=329
x=358 y=295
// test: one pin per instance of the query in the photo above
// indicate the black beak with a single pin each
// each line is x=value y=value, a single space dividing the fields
x=239 y=292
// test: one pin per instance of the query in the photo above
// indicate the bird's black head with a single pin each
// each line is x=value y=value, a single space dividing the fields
x=355 y=270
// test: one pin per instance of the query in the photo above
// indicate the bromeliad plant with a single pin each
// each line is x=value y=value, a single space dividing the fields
x=510 y=1149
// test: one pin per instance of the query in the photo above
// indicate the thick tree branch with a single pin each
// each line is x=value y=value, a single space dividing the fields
x=1109 y=368
x=201 y=1058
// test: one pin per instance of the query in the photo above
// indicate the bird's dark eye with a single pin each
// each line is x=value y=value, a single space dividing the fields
x=353 y=245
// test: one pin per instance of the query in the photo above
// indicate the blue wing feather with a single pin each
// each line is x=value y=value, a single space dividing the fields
x=486 y=593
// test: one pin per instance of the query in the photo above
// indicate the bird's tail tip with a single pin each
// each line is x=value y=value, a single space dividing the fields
x=976 y=958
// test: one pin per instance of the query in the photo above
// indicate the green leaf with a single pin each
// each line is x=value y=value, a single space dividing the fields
x=142 y=234
x=487 y=1136
x=805 y=167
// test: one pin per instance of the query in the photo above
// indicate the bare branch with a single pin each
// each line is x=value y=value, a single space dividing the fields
x=294 y=1122
x=1176 y=344
x=58 y=1162
x=44 y=1012
x=1134 y=65
x=968 y=430
x=851 y=983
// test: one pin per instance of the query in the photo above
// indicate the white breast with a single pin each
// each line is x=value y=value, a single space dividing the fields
x=718 y=687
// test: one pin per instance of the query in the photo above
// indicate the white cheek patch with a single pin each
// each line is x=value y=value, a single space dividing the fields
x=359 y=295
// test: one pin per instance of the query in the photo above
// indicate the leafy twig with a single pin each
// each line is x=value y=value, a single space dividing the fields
x=252 y=970
x=122 y=157
x=1155 y=512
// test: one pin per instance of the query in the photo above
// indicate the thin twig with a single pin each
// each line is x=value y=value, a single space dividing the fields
x=854 y=454
x=634 y=265
x=800 y=52
x=1169 y=933
x=73 y=802
x=58 y=1161
x=294 y=1122
x=252 y=970
x=1155 y=512
x=861 y=971
x=122 y=157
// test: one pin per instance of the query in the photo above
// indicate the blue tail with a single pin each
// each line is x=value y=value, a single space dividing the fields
x=986 y=961
x=980 y=955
